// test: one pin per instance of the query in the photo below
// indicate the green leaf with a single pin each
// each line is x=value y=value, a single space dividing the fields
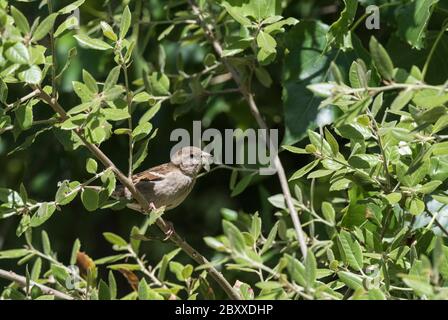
x=82 y=91
x=242 y=185
x=377 y=104
x=89 y=81
x=430 y=98
x=236 y=238
x=381 y=59
x=110 y=259
x=214 y=244
x=258 y=9
x=296 y=270
x=13 y=253
x=112 y=78
x=358 y=74
x=143 y=290
x=74 y=122
x=103 y=291
x=419 y=284
x=270 y=239
x=305 y=64
x=126 y=266
x=165 y=32
x=112 y=286
x=393 y=198
x=339 y=34
x=108 y=32
x=65 y=193
x=263 y=76
x=320 y=143
x=113 y=93
x=412 y=20
x=416 y=206
x=428 y=187
x=125 y=22
x=36 y=270
x=352 y=280
x=310 y=269
x=235 y=14
x=20 y=20
x=71 y=7
x=33 y=75
x=354 y=132
x=18 y=53
x=3 y=94
x=146 y=293
x=141 y=154
x=278 y=26
x=141 y=131
x=150 y=113
x=268 y=285
x=328 y=212
x=363 y=161
x=266 y=42
x=91 y=43
x=70 y=23
x=75 y=250
x=91 y=166
x=116 y=114
x=44 y=213
x=90 y=199
x=24 y=115
x=159 y=84
x=115 y=239
x=295 y=149
x=304 y=170
x=402 y=100
x=44 y=27
x=351 y=250
x=46 y=243
x=255 y=228
x=332 y=142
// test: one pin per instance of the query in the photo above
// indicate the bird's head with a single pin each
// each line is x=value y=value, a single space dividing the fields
x=191 y=160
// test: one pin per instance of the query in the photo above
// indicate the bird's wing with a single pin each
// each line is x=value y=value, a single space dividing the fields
x=144 y=181
x=154 y=174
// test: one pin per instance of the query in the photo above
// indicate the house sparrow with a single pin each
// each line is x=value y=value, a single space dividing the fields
x=168 y=184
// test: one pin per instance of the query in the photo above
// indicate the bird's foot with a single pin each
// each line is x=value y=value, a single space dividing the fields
x=152 y=206
x=169 y=233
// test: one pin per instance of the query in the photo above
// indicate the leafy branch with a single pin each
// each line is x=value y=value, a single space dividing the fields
x=165 y=227
x=249 y=97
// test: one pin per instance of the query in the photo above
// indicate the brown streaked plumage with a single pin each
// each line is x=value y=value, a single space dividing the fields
x=169 y=184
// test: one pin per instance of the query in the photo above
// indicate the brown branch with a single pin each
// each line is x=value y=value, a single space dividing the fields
x=138 y=196
x=261 y=123
x=21 y=281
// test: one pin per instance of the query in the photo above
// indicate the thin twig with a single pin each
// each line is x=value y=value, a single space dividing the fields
x=129 y=102
x=433 y=49
x=261 y=123
x=138 y=196
x=22 y=100
x=144 y=269
x=53 y=54
x=21 y=281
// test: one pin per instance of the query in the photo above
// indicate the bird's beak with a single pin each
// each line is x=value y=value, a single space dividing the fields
x=206 y=160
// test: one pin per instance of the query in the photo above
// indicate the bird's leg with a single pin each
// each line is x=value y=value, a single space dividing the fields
x=170 y=230
x=127 y=194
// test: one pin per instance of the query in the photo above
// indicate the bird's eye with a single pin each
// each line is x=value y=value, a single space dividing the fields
x=191 y=156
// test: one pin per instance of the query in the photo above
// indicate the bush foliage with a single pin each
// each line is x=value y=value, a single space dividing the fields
x=364 y=121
